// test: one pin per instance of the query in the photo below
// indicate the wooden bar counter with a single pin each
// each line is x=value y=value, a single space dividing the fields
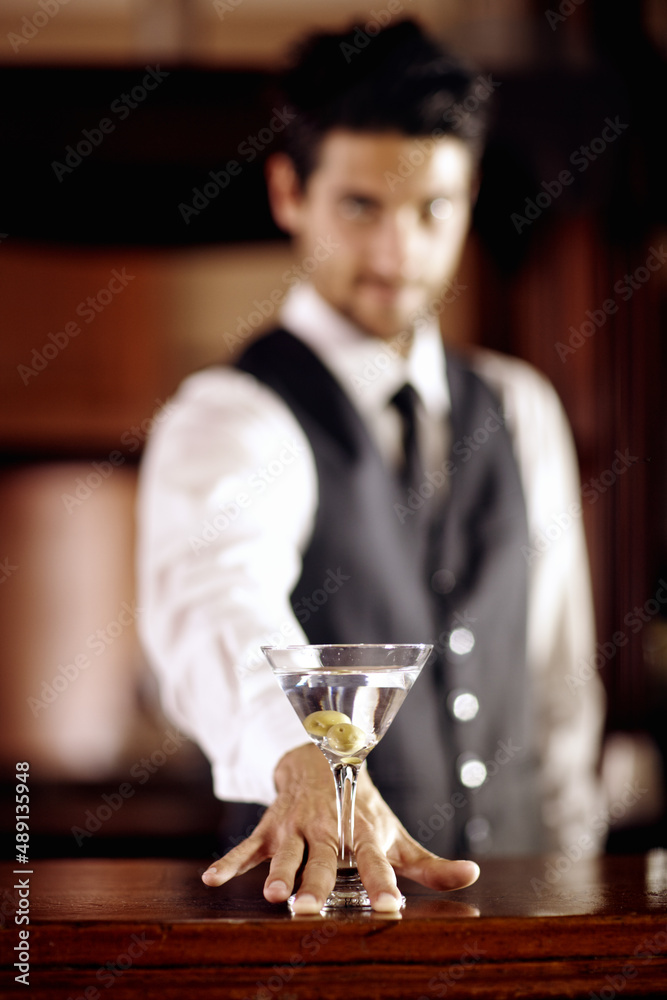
x=539 y=927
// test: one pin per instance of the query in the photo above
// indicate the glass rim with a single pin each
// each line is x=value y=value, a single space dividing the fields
x=351 y=645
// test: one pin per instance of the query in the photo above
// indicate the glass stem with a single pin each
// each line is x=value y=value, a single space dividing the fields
x=345 y=776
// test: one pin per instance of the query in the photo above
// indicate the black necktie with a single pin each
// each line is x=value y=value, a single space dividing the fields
x=411 y=472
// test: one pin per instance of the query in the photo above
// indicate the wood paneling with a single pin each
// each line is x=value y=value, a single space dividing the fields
x=85 y=355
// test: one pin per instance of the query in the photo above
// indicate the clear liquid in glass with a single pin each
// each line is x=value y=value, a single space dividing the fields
x=367 y=700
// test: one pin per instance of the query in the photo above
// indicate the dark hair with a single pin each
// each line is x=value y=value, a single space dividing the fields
x=394 y=79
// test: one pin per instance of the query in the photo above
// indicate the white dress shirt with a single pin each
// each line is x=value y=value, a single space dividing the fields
x=228 y=494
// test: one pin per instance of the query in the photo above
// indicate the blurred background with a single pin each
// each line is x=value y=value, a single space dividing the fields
x=136 y=245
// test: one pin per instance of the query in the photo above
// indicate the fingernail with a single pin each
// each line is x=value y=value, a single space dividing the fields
x=210 y=876
x=306 y=904
x=278 y=889
x=386 y=903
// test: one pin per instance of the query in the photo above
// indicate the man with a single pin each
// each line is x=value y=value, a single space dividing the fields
x=277 y=506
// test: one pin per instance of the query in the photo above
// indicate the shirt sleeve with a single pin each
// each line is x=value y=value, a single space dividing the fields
x=568 y=696
x=227 y=496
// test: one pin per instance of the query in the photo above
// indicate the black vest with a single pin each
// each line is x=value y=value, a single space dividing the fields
x=443 y=565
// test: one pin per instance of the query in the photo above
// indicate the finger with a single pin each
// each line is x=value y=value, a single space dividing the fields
x=318 y=879
x=380 y=827
x=240 y=859
x=379 y=878
x=411 y=860
x=438 y=873
x=282 y=871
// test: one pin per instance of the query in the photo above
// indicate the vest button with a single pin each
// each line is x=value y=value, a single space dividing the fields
x=443 y=581
x=461 y=641
x=472 y=771
x=478 y=832
x=463 y=705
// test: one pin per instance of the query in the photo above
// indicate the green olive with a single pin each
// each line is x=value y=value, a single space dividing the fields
x=351 y=760
x=345 y=738
x=319 y=723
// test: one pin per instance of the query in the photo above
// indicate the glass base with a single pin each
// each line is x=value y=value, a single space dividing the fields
x=347 y=894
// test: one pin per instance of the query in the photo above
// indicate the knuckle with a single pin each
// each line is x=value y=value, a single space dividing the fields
x=318 y=865
x=322 y=830
x=370 y=855
x=364 y=826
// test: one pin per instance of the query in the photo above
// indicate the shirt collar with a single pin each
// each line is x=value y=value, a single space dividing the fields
x=370 y=370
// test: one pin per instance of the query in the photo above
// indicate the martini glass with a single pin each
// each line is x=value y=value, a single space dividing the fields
x=346 y=696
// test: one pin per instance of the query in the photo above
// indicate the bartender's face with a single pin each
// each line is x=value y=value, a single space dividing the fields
x=384 y=217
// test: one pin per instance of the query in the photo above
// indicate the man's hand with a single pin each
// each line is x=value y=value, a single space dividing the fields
x=303 y=816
